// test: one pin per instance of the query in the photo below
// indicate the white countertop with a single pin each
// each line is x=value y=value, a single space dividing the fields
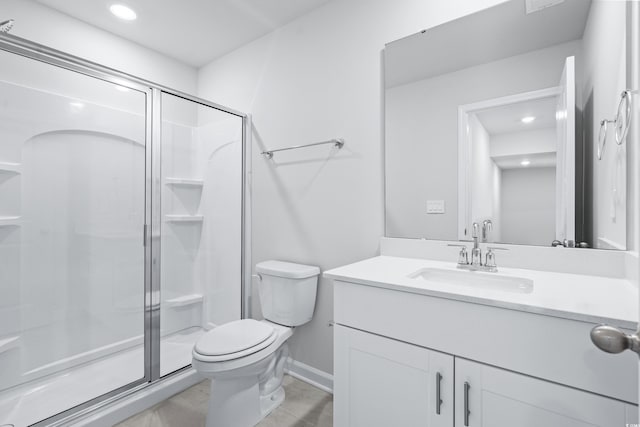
x=572 y=296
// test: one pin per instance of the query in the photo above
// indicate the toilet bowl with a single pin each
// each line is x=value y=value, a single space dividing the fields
x=246 y=382
x=245 y=359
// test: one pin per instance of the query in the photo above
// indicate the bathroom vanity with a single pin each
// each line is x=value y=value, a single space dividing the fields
x=419 y=342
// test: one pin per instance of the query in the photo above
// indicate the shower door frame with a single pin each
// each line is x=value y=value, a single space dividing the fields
x=151 y=233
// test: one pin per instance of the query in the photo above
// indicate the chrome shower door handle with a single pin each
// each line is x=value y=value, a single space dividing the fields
x=613 y=340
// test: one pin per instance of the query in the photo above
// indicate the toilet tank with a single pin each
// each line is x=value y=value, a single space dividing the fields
x=287 y=291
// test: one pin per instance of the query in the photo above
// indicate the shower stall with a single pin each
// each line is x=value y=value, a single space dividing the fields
x=122 y=230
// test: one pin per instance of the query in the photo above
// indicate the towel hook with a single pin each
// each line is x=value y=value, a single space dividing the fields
x=621 y=122
x=602 y=136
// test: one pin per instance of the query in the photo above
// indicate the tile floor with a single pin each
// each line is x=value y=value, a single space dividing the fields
x=304 y=406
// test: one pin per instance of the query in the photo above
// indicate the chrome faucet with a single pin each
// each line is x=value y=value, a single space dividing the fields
x=487 y=228
x=476 y=263
x=476 y=252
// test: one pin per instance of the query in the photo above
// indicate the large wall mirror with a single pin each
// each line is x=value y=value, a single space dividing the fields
x=505 y=118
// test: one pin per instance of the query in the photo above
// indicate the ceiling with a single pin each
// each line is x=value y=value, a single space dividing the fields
x=536 y=160
x=508 y=118
x=194 y=32
x=499 y=32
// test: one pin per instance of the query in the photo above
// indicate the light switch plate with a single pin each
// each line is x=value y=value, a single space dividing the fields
x=435 y=206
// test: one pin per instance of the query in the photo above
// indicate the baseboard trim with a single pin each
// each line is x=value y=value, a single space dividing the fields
x=310 y=375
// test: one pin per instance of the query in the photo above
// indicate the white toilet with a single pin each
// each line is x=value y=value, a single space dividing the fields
x=245 y=358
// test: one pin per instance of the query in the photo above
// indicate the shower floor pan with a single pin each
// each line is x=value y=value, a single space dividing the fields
x=40 y=399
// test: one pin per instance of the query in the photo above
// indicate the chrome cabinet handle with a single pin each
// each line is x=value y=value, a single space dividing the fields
x=438 y=397
x=467 y=412
x=613 y=340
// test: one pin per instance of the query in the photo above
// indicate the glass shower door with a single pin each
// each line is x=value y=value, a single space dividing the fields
x=72 y=260
x=201 y=227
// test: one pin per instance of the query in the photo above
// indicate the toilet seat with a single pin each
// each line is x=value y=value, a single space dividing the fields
x=235 y=340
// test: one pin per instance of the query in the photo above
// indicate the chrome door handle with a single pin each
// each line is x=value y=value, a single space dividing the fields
x=613 y=340
x=466 y=404
x=438 y=396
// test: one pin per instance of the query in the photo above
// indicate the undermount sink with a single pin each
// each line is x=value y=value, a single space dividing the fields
x=475 y=279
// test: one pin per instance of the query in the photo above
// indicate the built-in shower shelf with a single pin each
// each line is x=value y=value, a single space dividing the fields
x=7 y=167
x=185 y=182
x=184 y=300
x=9 y=343
x=184 y=218
x=9 y=221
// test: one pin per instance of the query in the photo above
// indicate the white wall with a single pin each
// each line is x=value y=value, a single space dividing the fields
x=422 y=134
x=605 y=56
x=483 y=171
x=496 y=234
x=46 y=26
x=528 y=206
x=316 y=78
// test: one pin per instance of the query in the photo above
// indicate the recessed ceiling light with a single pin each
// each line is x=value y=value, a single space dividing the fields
x=123 y=12
x=525 y=162
x=527 y=119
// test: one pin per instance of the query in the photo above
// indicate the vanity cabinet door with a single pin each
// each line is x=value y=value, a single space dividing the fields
x=383 y=382
x=492 y=397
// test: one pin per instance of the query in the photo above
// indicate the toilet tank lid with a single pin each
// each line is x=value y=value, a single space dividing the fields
x=287 y=269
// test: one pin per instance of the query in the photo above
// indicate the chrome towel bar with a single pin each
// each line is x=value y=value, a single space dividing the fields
x=337 y=142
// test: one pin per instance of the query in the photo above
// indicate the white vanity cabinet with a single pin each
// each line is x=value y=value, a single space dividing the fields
x=523 y=365
x=493 y=397
x=384 y=382
x=380 y=382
